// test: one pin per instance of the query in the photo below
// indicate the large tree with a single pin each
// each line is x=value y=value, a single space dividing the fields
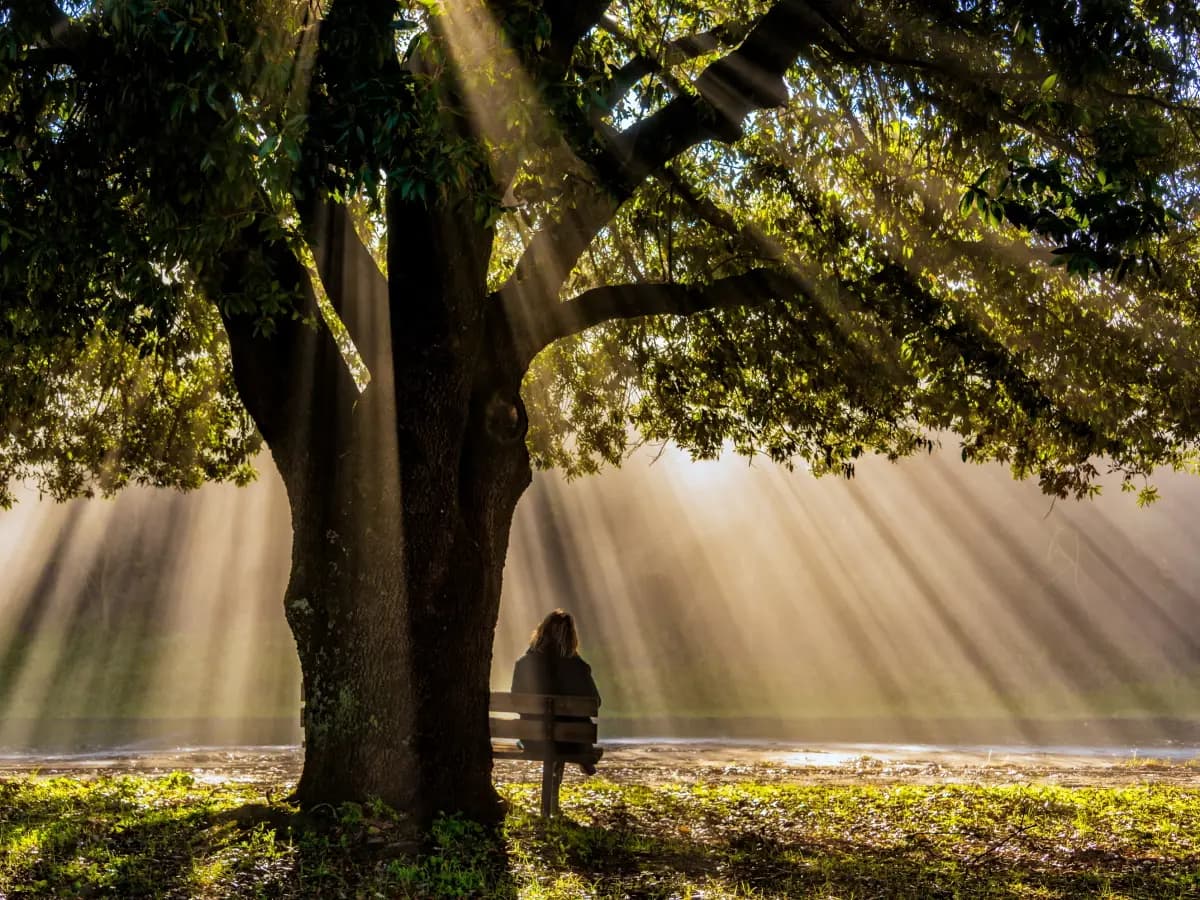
x=420 y=247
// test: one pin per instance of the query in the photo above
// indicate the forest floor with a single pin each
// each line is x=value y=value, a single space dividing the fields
x=671 y=821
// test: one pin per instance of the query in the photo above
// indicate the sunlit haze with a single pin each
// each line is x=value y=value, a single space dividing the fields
x=928 y=600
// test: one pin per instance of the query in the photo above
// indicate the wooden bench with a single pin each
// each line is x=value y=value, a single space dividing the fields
x=544 y=731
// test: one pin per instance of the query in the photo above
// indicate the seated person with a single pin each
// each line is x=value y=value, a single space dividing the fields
x=552 y=665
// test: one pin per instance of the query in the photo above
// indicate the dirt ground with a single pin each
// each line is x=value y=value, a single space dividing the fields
x=276 y=768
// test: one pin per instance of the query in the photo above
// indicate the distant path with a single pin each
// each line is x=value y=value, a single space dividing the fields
x=702 y=761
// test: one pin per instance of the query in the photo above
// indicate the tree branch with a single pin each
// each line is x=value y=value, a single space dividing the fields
x=634 y=301
x=41 y=17
x=674 y=53
x=749 y=78
x=290 y=375
x=357 y=290
x=570 y=20
x=57 y=38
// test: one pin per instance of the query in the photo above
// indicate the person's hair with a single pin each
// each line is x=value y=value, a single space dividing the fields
x=556 y=636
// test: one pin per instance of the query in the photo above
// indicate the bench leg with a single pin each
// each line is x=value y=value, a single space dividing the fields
x=559 y=768
x=549 y=788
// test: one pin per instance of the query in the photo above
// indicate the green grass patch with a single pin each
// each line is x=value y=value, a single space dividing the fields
x=173 y=837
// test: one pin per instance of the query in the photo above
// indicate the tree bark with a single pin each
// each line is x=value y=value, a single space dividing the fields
x=394 y=594
x=402 y=499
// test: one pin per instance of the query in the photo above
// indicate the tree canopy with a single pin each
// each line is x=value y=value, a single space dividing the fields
x=415 y=246
x=804 y=228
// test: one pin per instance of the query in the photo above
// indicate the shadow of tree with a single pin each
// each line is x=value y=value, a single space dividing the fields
x=51 y=853
x=625 y=860
x=63 y=848
x=354 y=851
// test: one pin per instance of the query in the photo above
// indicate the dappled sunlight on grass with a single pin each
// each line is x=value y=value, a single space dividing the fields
x=173 y=837
x=902 y=841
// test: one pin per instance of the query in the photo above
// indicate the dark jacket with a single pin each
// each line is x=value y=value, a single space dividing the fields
x=539 y=673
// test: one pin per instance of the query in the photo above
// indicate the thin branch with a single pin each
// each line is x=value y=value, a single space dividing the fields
x=661 y=70
x=634 y=301
x=720 y=219
x=844 y=17
x=996 y=846
x=47 y=57
x=674 y=53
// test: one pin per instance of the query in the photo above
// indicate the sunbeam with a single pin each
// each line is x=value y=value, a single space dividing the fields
x=922 y=601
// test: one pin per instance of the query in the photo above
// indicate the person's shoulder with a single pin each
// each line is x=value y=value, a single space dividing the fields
x=532 y=658
x=579 y=660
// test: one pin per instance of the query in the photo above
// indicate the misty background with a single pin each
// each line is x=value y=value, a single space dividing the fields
x=923 y=601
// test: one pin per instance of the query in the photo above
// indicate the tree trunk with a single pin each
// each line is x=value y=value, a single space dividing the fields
x=393 y=599
x=402 y=499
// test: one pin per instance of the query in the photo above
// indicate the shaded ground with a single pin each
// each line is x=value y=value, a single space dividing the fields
x=667 y=762
x=180 y=838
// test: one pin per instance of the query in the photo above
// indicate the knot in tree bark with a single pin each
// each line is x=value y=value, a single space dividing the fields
x=504 y=418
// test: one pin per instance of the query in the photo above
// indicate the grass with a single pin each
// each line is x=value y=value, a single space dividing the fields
x=173 y=837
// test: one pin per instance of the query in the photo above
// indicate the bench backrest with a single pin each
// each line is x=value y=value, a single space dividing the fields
x=548 y=726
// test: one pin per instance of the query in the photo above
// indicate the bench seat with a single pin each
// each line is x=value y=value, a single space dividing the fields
x=545 y=720
x=512 y=751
